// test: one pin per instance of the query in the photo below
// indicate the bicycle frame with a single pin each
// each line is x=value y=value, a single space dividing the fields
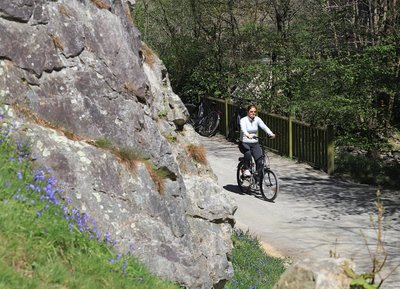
x=266 y=182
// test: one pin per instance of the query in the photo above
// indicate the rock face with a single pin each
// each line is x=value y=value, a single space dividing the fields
x=324 y=273
x=75 y=71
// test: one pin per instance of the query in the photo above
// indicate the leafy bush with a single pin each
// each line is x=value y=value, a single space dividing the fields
x=367 y=170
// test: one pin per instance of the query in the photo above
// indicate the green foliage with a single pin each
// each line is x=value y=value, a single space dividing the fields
x=104 y=143
x=361 y=283
x=367 y=169
x=130 y=154
x=171 y=138
x=309 y=63
x=253 y=267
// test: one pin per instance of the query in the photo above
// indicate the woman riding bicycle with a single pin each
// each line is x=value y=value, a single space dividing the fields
x=248 y=144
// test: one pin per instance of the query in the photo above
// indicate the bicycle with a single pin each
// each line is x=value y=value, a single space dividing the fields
x=268 y=182
x=234 y=122
x=204 y=119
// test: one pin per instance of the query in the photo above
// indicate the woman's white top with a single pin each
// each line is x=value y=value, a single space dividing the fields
x=250 y=126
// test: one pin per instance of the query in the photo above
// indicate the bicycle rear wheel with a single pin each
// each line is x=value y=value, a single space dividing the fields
x=243 y=182
x=269 y=185
x=234 y=129
x=192 y=109
x=209 y=125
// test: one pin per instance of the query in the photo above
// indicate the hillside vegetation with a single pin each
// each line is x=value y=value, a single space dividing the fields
x=323 y=62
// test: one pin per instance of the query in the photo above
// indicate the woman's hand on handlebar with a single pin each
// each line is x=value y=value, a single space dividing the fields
x=254 y=136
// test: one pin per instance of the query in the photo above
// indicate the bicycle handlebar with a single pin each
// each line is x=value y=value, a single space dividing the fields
x=262 y=138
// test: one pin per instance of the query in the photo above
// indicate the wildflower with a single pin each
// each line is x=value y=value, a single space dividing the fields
x=38 y=214
x=124 y=266
x=39 y=175
x=19 y=175
x=7 y=184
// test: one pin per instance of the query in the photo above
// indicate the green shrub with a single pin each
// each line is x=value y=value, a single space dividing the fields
x=367 y=170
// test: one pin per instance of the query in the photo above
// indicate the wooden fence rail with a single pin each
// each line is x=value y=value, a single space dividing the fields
x=294 y=139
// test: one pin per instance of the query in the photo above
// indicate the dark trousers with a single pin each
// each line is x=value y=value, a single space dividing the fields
x=251 y=149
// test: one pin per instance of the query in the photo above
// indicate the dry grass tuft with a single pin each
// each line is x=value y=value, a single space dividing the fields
x=129 y=86
x=70 y=135
x=57 y=42
x=42 y=122
x=101 y=4
x=197 y=153
x=128 y=156
x=32 y=116
x=148 y=54
x=128 y=12
x=64 y=10
x=157 y=179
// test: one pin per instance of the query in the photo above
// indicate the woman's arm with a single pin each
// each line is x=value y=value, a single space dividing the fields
x=262 y=125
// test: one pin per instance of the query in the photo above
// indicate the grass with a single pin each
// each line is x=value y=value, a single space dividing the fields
x=253 y=267
x=46 y=243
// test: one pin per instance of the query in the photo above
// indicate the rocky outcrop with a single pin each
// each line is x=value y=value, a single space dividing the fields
x=75 y=72
x=324 y=273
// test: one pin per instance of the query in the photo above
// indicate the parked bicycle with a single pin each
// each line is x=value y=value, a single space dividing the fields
x=203 y=117
x=267 y=183
x=234 y=122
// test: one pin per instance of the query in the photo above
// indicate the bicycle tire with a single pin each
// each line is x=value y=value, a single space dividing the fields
x=269 y=185
x=244 y=183
x=232 y=130
x=192 y=113
x=209 y=125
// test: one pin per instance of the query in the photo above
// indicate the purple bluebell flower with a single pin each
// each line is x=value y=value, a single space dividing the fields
x=124 y=266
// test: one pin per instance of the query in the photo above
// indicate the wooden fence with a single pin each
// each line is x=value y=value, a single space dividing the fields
x=294 y=139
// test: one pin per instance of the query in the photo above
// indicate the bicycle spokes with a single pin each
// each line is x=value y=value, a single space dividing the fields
x=269 y=185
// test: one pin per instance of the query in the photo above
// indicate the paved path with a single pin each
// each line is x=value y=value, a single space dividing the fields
x=313 y=214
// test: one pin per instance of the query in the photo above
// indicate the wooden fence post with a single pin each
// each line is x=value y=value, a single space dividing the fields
x=330 y=149
x=226 y=117
x=290 y=120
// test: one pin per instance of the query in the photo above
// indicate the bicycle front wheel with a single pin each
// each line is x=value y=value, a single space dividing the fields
x=209 y=125
x=243 y=182
x=269 y=186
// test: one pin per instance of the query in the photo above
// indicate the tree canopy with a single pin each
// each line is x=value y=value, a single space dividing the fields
x=325 y=62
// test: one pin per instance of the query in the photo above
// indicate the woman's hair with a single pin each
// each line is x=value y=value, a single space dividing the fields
x=250 y=107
